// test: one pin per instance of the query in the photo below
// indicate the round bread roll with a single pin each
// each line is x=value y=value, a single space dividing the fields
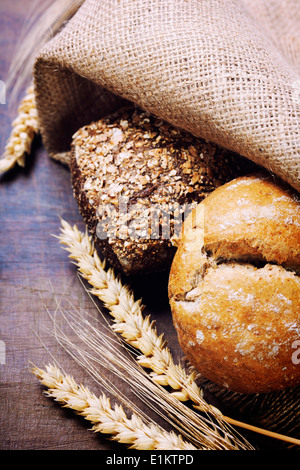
x=234 y=286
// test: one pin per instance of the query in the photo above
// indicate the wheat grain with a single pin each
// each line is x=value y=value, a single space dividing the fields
x=24 y=129
x=105 y=419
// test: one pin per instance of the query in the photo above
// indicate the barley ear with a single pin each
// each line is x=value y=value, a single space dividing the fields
x=24 y=129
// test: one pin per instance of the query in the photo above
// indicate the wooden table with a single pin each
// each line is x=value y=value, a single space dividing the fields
x=35 y=271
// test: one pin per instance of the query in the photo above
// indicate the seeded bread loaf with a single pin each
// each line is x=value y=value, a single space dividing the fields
x=234 y=286
x=135 y=178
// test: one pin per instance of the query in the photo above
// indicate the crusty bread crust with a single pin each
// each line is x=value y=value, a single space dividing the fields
x=234 y=285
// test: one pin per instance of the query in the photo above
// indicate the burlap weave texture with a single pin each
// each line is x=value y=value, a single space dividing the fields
x=224 y=70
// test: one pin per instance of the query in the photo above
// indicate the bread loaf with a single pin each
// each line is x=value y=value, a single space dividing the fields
x=135 y=178
x=234 y=286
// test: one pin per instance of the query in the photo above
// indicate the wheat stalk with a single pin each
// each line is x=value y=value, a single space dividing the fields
x=24 y=129
x=105 y=419
x=43 y=21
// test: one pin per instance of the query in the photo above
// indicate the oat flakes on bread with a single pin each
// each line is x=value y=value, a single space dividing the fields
x=134 y=157
x=234 y=286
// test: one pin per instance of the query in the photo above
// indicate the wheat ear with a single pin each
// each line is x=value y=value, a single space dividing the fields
x=99 y=355
x=105 y=419
x=139 y=331
x=128 y=318
x=24 y=129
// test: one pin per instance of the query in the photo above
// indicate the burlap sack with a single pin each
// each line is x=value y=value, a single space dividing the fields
x=225 y=70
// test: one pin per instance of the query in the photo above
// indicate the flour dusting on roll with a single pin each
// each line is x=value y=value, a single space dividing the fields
x=234 y=285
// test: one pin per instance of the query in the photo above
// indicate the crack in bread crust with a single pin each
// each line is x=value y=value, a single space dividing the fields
x=212 y=263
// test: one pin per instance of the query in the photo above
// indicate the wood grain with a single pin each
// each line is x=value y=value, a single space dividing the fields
x=33 y=264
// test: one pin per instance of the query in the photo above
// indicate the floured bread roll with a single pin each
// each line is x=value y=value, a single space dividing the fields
x=234 y=286
x=135 y=178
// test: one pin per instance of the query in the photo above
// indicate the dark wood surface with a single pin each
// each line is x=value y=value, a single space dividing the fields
x=35 y=271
